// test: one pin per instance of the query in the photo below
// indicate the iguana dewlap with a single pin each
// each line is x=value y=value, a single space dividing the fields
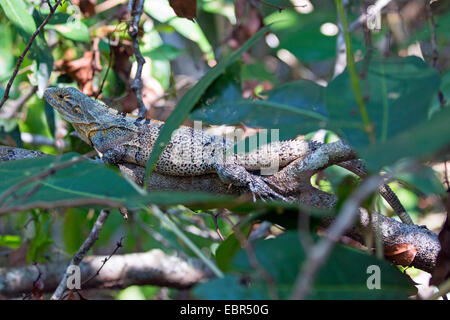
x=123 y=138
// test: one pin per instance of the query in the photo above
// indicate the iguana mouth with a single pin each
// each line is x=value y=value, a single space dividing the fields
x=48 y=97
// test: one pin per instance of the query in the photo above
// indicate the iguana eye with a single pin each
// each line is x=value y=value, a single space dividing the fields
x=60 y=96
x=77 y=110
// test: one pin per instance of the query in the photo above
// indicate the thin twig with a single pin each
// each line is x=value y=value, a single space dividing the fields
x=377 y=7
x=100 y=90
x=216 y=225
x=341 y=57
x=25 y=51
x=136 y=8
x=78 y=257
x=118 y=246
x=433 y=38
x=12 y=108
x=447 y=184
x=40 y=140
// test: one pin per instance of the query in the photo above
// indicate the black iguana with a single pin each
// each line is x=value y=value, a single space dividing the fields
x=123 y=138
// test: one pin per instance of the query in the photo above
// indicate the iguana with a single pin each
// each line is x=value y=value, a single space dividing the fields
x=123 y=138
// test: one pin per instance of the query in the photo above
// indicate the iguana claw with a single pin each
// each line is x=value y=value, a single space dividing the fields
x=259 y=186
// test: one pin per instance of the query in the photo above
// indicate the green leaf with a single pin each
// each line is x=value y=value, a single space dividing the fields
x=343 y=276
x=17 y=13
x=293 y=108
x=5 y=54
x=10 y=130
x=229 y=248
x=230 y=287
x=293 y=29
x=65 y=24
x=423 y=179
x=163 y=52
x=74 y=229
x=190 y=99
x=79 y=181
x=257 y=71
x=50 y=117
x=160 y=10
x=10 y=241
x=41 y=240
x=75 y=30
x=419 y=142
x=399 y=94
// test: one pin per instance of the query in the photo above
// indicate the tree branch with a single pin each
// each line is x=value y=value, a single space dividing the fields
x=136 y=8
x=25 y=51
x=148 y=268
x=293 y=180
x=79 y=255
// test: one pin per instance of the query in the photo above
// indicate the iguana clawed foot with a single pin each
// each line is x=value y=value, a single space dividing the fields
x=239 y=176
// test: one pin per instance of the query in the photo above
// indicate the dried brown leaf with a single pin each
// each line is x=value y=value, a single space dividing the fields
x=402 y=254
x=184 y=8
x=81 y=70
x=87 y=7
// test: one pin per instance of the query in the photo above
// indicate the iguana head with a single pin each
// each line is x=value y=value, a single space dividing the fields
x=83 y=112
x=74 y=106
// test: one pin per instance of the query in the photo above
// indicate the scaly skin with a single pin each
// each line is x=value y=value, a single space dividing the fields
x=123 y=138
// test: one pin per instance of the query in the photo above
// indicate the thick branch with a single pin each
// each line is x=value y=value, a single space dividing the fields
x=293 y=178
x=149 y=268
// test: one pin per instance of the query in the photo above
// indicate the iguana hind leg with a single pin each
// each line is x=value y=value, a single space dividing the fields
x=239 y=176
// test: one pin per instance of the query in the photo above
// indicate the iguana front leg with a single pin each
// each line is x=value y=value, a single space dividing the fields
x=121 y=154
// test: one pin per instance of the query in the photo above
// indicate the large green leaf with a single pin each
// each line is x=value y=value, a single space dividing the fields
x=398 y=91
x=190 y=99
x=293 y=108
x=65 y=24
x=419 y=141
x=76 y=30
x=344 y=276
x=81 y=180
x=229 y=248
x=17 y=13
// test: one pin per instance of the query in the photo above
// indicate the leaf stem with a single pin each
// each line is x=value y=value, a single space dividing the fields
x=368 y=126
